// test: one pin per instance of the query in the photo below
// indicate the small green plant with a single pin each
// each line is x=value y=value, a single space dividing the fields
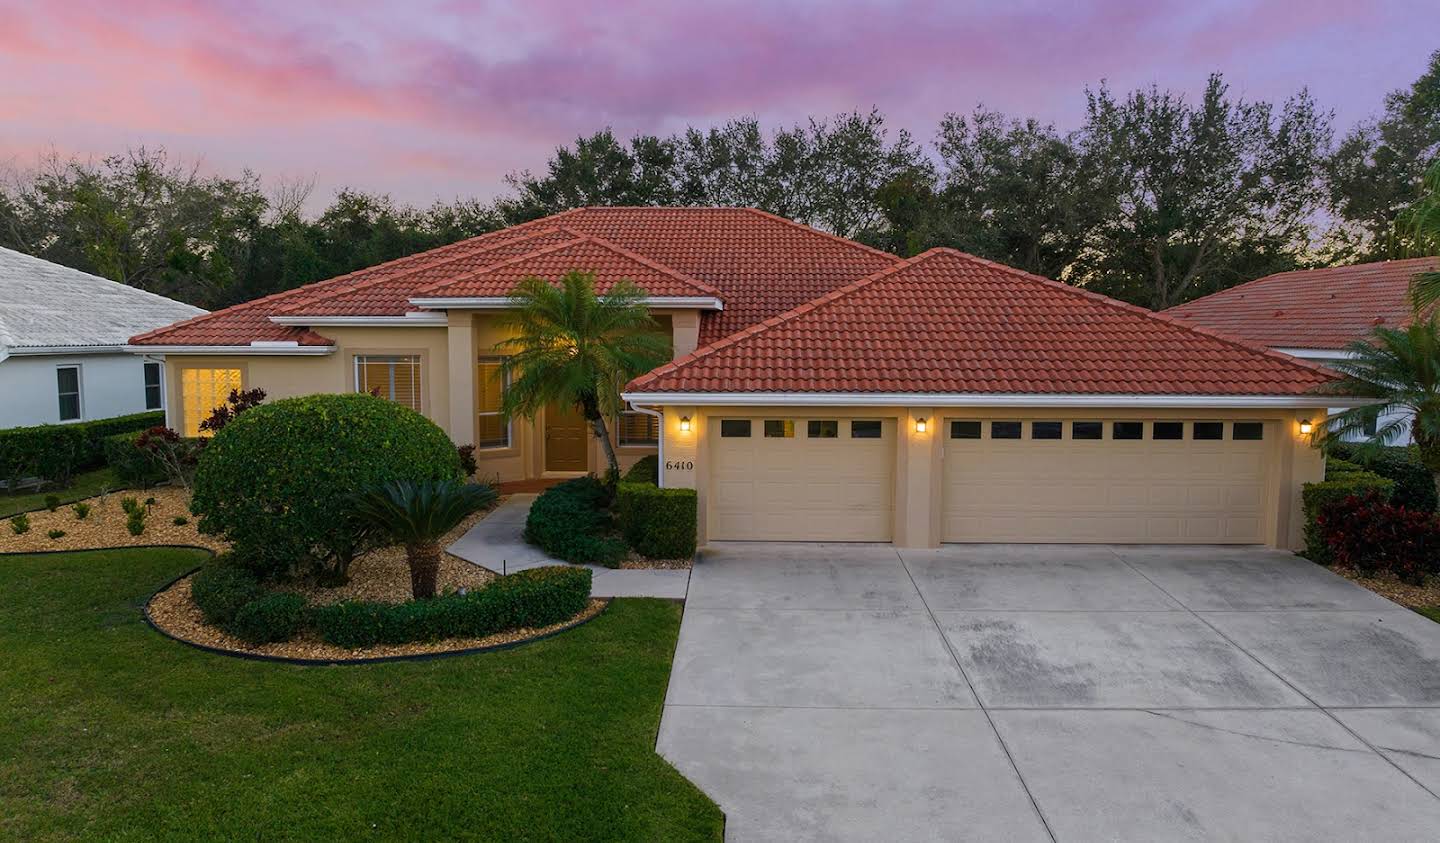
x=180 y=521
x=130 y=505
x=56 y=534
x=136 y=524
x=81 y=510
x=20 y=524
x=52 y=502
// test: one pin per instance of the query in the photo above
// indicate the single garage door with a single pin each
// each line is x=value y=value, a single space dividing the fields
x=801 y=479
x=1098 y=480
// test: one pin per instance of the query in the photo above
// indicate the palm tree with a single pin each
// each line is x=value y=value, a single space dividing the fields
x=1400 y=368
x=418 y=515
x=576 y=349
x=1417 y=230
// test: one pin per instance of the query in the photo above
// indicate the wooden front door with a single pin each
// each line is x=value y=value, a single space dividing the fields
x=566 y=439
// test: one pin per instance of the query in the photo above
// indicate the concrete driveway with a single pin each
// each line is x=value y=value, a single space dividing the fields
x=1034 y=692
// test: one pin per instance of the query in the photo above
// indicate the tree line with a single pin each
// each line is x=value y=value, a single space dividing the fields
x=1155 y=198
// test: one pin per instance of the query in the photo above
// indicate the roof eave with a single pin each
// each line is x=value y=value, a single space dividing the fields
x=931 y=399
x=268 y=350
x=506 y=303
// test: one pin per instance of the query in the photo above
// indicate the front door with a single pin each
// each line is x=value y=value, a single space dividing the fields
x=565 y=439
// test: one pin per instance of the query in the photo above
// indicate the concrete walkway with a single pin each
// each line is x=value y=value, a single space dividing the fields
x=497 y=543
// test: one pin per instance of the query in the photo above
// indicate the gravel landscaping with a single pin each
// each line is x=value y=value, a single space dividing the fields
x=1386 y=585
x=104 y=526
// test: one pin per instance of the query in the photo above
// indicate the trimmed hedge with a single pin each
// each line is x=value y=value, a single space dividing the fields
x=269 y=619
x=133 y=466
x=1373 y=536
x=55 y=452
x=222 y=588
x=645 y=470
x=658 y=523
x=274 y=480
x=570 y=522
x=1316 y=497
x=1335 y=465
x=1414 y=485
x=535 y=598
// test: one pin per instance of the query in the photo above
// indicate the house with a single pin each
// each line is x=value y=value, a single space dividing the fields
x=1313 y=314
x=62 y=344
x=820 y=389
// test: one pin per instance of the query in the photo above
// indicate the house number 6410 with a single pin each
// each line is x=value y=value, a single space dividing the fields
x=679 y=465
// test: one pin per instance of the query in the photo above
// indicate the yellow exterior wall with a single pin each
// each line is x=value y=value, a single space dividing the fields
x=918 y=468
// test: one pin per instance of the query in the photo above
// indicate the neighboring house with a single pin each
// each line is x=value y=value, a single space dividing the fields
x=821 y=390
x=62 y=344
x=1313 y=314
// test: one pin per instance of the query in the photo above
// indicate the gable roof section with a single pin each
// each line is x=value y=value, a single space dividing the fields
x=949 y=323
x=46 y=305
x=759 y=264
x=585 y=253
x=1313 y=309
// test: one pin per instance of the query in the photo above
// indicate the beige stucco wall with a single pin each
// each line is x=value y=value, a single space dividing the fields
x=918 y=469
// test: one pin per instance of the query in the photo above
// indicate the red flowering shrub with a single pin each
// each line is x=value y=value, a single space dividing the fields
x=237 y=403
x=1372 y=536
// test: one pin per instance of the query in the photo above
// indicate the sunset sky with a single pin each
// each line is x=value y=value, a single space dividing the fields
x=431 y=100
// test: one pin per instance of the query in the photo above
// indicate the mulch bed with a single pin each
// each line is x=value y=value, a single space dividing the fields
x=636 y=562
x=1385 y=585
x=105 y=525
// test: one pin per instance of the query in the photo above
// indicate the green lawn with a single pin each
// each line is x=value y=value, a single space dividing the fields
x=86 y=485
x=1431 y=612
x=111 y=731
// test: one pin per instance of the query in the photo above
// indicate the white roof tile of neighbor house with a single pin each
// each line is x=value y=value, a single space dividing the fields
x=45 y=305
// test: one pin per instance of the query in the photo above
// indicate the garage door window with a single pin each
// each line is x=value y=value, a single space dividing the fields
x=1168 y=430
x=1210 y=431
x=735 y=428
x=823 y=429
x=867 y=429
x=964 y=430
x=1046 y=430
x=1087 y=430
x=1130 y=430
x=779 y=428
x=1248 y=431
x=1005 y=430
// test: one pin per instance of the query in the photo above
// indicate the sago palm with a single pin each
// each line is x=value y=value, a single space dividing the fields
x=418 y=515
x=1400 y=369
x=576 y=349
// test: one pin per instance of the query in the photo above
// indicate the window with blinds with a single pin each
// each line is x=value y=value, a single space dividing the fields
x=638 y=429
x=394 y=377
x=492 y=429
x=154 y=393
x=201 y=391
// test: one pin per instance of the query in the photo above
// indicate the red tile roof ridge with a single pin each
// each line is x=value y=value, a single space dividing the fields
x=328 y=293
x=580 y=237
x=1145 y=311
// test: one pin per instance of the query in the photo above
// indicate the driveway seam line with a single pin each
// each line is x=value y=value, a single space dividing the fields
x=1356 y=735
x=950 y=648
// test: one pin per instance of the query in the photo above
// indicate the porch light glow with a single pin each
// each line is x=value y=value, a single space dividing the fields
x=1306 y=427
x=684 y=424
x=920 y=425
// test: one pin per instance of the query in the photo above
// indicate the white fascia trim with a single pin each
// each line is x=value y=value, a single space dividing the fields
x=1316 y=353
x=409 y=320
x=505 y=302
x=28 y=350
x=286 y=350
x=873 y=399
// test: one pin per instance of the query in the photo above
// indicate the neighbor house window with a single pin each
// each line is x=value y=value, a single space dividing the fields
x=154 y=395
x=779 y=428
x=822 y=429
x=735 y=428
x=639 y=429
x=1005 y=430
x=1046 y=430
x=866 y=429
x=394 y=377
x=1168 y=430
x=1209 y=430
x=67 y=379
x=492 y=429
x=1372 y=424
x=201 y=391
x=1247 y=431
x=1127 y=430
x=1087 y=430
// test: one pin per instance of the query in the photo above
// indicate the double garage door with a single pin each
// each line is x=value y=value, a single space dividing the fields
x=1063 y=480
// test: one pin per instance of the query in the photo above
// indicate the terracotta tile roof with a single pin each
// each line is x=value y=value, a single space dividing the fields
x=609 y=262
x=1311 y=308
x=948 y=322
x=760 y=264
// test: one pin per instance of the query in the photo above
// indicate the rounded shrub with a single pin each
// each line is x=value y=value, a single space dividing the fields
x=269 y=619
x=275 y=480
x=571 y=522
x=645 y=470
x=658 y=523
x=221 y=588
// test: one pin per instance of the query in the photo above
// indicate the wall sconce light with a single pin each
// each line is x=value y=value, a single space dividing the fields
x=1306 y=427
x=920 y=426
x=684 y=424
